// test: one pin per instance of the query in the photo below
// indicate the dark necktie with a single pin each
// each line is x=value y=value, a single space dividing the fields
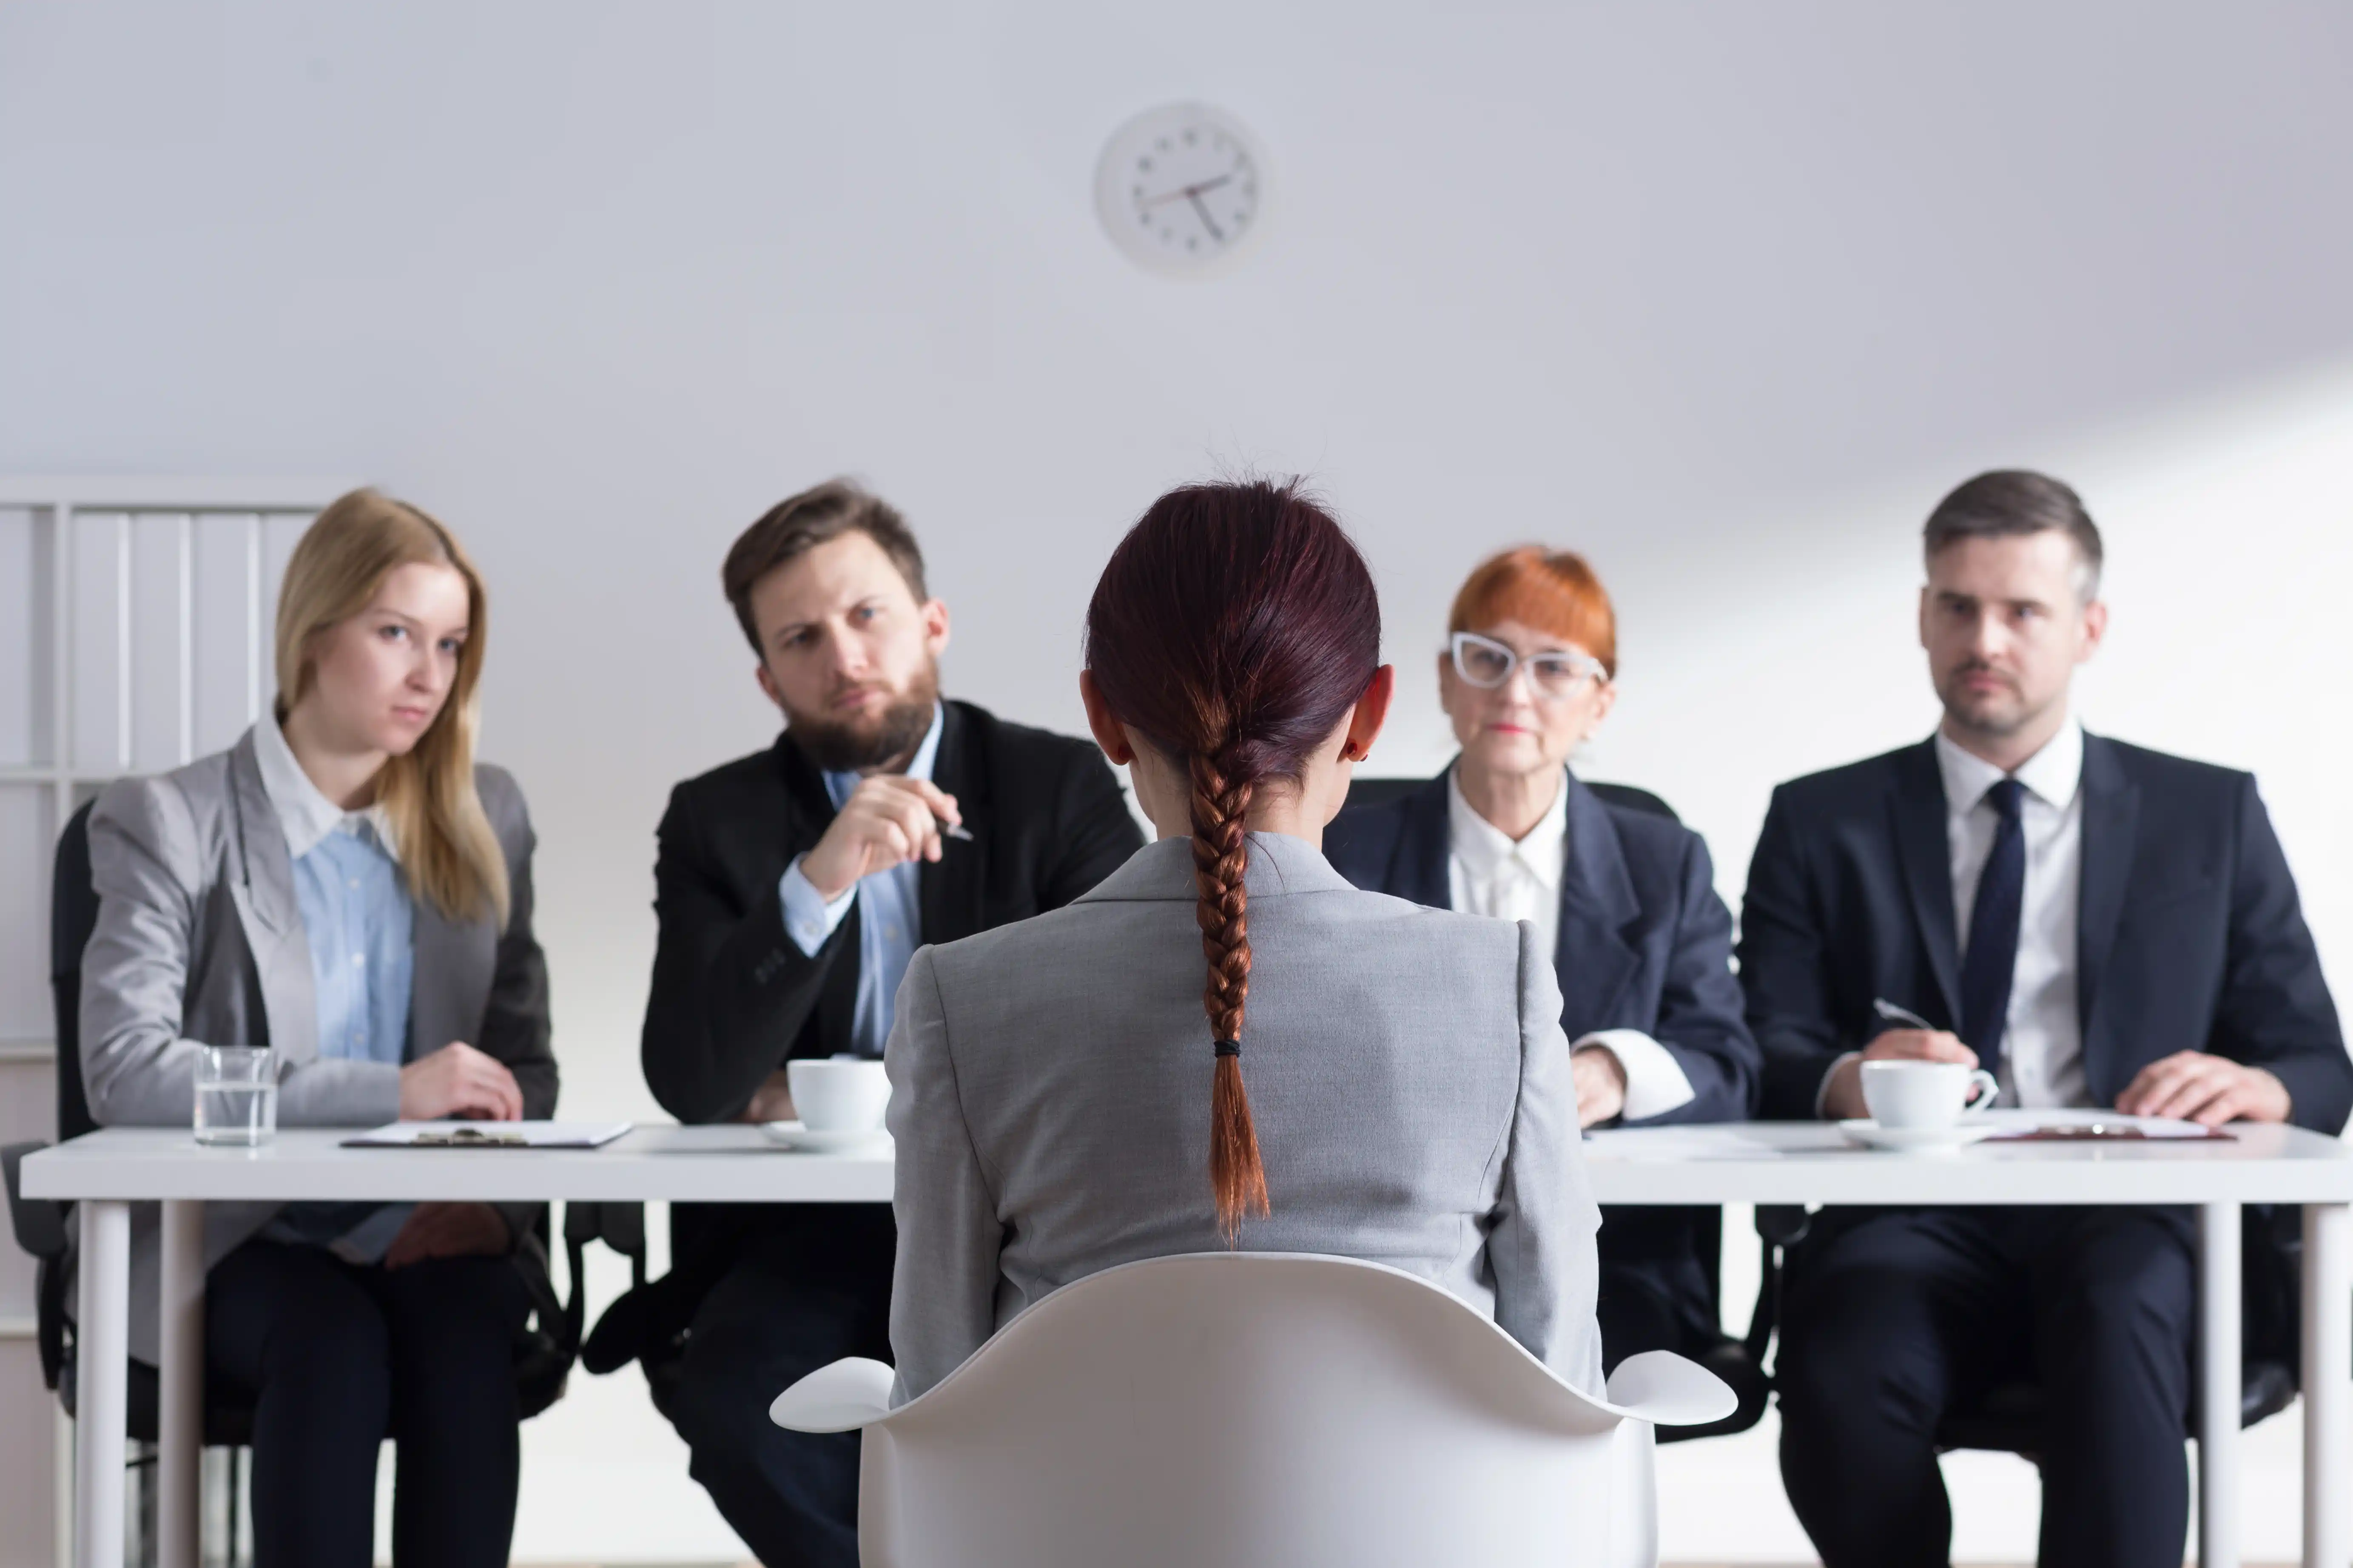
x=1992 y=955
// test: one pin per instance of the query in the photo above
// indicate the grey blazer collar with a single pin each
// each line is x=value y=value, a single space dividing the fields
x=1163 y=872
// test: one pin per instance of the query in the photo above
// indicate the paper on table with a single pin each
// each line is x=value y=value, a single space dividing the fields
x=490 y=1135
x=2057 y=1123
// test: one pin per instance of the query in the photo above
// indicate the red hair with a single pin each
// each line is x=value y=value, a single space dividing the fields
x=1552 y=591
x=1235 y=626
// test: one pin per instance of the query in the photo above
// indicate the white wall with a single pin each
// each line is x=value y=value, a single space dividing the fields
x=1724 y=296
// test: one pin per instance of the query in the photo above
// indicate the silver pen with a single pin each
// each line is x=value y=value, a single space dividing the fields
x=1903 y=1015
x=954 y=829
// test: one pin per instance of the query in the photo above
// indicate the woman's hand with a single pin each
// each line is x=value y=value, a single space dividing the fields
x=1600 y=1079
x=459 y=1081
x=449 y=1230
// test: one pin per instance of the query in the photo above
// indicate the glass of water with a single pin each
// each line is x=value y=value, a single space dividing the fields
x=236 y=1095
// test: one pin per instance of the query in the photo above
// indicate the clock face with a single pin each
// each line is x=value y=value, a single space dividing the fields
x=1181 y=189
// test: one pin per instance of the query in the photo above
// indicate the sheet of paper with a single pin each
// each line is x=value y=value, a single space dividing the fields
x=490 y=1135
x=2022 y=1123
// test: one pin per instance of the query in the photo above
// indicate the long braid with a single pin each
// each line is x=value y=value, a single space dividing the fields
x=1221 y=799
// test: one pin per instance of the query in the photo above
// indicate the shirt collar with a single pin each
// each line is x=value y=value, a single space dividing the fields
x=1486 y=848
x=2052 y=774
x=838 y=786
x=304 y=814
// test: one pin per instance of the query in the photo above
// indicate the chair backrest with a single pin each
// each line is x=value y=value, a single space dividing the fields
x=73 y=913
x=1256 y=1407
x=1364 y=791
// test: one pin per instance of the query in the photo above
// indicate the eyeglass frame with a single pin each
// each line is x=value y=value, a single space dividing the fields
x=1586 y=667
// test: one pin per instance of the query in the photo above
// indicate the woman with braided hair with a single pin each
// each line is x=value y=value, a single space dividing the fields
x=1409 y=1097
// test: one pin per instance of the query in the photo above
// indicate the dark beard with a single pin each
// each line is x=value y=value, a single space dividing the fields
x=887 y=741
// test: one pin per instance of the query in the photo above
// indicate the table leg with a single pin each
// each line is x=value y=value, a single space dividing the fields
x=102 y=1380
x=2220 y=1377
x=180 y=1386
x=2327 y=1381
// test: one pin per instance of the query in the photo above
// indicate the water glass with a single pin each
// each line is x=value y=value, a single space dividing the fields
x=236 y=1095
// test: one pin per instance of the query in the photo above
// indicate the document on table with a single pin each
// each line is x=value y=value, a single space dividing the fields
x=2056 y=1126
x=490 y=1135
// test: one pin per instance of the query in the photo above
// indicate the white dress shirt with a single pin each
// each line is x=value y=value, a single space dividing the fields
x=2043 y=1039
x=1488 y=872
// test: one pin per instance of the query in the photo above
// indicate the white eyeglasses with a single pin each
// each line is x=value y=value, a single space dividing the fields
x=1554 y=676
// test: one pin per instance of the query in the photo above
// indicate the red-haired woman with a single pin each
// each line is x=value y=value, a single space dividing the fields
x=1624 y=899
x=1068 y=1093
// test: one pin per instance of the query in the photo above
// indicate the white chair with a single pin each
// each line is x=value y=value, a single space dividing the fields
x=1225 y=1410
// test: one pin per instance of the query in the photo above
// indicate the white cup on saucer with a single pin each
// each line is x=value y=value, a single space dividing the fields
x=839 y=1094
x=1920 y=1096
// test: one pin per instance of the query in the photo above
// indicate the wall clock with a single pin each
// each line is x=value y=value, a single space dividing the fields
x=1182 y=189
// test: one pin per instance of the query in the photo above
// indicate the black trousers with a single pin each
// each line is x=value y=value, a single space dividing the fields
x=336 y=1358
x=807 y=1288
x=1654 y=1293
x=1892 y=1318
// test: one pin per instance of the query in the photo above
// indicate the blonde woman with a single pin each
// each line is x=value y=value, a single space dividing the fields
x=345 y=886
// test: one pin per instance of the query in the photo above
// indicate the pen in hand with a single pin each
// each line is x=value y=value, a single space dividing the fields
x=1890 y=1012
x=954 y=829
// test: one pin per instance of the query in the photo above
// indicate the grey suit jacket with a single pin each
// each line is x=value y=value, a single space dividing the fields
x=199 y=942
x=1406 y=1073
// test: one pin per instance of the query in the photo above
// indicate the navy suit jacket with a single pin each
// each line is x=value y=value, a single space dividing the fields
x=1645 y=944
x=2190 y=933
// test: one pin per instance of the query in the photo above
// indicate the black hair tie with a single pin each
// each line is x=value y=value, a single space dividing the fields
x=1229 y=1048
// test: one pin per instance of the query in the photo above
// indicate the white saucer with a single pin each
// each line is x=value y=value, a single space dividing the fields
x=1959 y=1135
x=793 y=1135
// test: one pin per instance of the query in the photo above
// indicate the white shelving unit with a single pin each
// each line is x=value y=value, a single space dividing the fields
x=135 y=632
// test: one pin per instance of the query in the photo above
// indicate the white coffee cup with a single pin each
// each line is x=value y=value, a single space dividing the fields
x=1924 y=1094
x=839 y=1094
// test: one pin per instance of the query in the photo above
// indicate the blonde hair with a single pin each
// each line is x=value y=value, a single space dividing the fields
x=443 y=835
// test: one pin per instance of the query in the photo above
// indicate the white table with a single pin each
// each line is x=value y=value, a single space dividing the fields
x=1811 y=1162
x=107 y=1171
x=1758 y=1163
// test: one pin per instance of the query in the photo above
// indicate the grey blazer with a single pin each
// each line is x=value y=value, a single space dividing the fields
x=199 y=940
x=1406 y=1073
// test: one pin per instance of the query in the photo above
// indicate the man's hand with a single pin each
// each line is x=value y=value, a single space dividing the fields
x=459 y=1081
x=1843 y=1097
x=1600 y=1079
x=449 y=1230
x=888 y=821
x=772 y=1102
x=2205 y=1088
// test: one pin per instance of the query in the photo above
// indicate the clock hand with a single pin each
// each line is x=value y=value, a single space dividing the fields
x=1186 y=193
x=1206 y=221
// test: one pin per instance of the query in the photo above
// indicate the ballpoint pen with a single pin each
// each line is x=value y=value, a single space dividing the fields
x=954 y=830
x=1890 y=1012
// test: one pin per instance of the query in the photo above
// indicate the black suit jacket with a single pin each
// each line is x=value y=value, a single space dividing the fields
x=2189 y=934
x=1645 y=944
x=733 y=998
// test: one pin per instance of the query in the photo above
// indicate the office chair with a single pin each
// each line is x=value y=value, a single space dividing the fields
x=1255 y=1408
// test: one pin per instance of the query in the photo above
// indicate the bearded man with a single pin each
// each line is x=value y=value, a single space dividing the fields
x=792 y=888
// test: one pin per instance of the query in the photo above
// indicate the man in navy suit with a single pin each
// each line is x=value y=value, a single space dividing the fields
x=2097 y=925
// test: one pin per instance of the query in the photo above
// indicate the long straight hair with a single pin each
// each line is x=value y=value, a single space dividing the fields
x=1235 y=627
x=447 y=850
